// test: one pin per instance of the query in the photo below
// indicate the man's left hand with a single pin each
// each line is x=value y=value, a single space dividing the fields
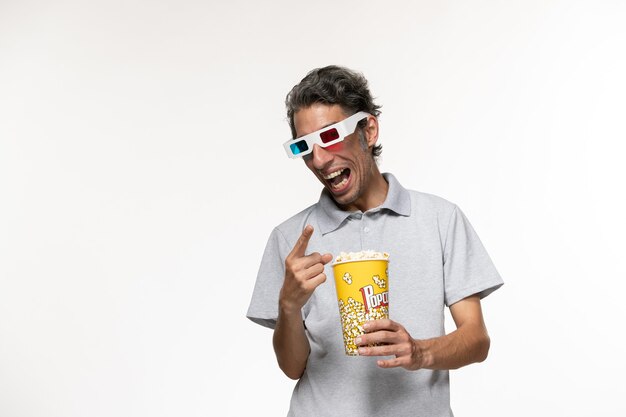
x=395 y=341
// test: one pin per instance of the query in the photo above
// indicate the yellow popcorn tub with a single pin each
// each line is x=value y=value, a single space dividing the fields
x=362 y=293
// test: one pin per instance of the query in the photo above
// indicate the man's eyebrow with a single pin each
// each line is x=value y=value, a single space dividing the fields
x=321 y=128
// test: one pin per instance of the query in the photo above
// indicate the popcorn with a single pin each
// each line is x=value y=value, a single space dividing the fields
x=379 y=281
x=353 y=315
x=362 y=281
x=362 y=255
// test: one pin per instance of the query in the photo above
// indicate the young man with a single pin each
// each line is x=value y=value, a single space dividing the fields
x=436 y=260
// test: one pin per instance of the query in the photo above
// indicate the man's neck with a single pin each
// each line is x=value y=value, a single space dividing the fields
x=374 y=196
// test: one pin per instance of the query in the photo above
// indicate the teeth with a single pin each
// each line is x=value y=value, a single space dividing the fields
x=333 y=175
x=341 y=184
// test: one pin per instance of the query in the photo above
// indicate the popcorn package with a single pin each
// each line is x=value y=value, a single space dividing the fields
x=362 y=284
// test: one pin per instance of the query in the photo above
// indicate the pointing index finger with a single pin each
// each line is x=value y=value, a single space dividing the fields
x=302 y=242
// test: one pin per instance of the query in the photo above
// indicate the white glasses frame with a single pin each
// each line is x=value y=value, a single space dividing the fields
x=344 y=128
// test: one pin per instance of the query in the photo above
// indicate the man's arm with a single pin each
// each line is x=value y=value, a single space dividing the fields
x=469 y=343
x=303 y=274
x=290 y=343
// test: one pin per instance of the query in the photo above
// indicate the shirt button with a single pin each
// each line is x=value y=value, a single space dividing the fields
x=366 y=229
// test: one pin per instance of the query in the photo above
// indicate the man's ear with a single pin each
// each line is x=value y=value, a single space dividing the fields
x=371 y=131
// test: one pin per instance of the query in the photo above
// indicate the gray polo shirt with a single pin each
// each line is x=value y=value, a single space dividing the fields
x=436 y=259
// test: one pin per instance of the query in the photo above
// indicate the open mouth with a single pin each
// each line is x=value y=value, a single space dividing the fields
x=338 y=179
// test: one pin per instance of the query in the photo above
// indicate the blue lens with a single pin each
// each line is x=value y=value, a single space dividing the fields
x=299 y=147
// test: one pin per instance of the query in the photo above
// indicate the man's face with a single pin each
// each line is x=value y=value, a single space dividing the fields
x=346 y=169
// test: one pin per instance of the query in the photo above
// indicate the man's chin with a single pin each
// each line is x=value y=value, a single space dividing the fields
x=338 y=194
x=342 y=200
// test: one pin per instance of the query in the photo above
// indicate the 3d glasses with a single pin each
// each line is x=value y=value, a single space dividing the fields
x=325 y=137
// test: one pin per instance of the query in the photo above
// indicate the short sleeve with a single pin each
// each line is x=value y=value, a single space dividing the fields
x=468 y=270
x=263 y=308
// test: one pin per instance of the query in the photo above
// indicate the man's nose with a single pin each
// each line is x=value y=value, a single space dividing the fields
x=321 y=157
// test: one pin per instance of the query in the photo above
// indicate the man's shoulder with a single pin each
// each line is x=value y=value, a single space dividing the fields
x=421 y=202
x=425 y=201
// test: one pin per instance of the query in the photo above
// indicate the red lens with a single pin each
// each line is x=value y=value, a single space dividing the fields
x=329 y=135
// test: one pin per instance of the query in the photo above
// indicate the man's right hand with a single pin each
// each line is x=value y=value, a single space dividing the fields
x=303 y=273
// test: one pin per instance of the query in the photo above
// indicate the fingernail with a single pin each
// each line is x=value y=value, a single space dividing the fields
x=362 y=351
x=357 y=341
x=366 y=326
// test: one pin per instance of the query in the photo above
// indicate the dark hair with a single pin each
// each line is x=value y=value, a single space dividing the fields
x=333 y=85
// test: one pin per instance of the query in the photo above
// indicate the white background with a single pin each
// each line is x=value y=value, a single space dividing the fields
x=141 y=172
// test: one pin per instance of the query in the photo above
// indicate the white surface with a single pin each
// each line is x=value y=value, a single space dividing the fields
x=130 y=235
